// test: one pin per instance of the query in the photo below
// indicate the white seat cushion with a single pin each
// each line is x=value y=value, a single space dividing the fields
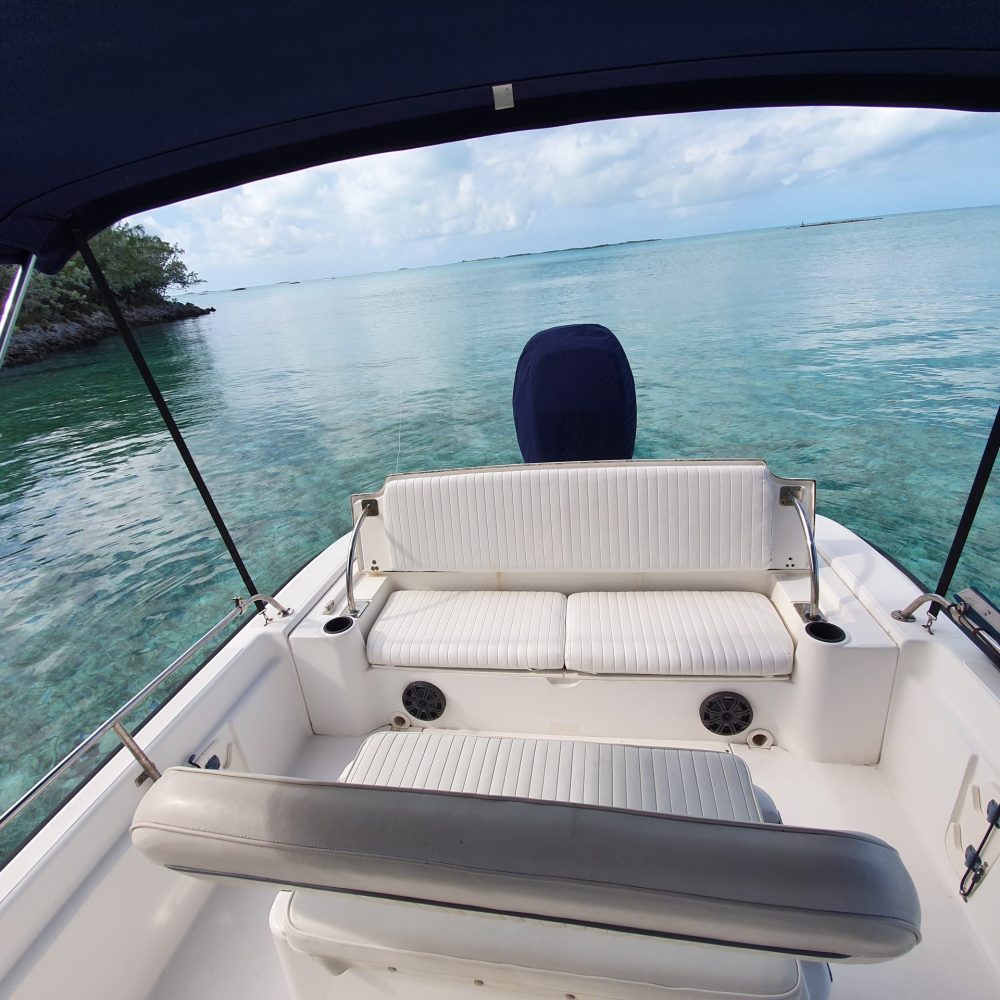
x=614 y=516
x=707 y=783
x=486 y=630
x=696 y=633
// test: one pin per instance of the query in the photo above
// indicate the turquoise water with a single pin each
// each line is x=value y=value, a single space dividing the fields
x=863 y=355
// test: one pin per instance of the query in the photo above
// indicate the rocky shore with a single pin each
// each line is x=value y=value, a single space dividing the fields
x=33 y=343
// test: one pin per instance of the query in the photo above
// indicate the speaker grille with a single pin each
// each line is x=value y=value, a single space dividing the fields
x=726 y=713
x=424 y=701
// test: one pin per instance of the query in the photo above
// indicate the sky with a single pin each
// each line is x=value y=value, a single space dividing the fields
x=580 y=185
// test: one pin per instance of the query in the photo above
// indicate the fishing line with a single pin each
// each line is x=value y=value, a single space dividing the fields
x=399 y=430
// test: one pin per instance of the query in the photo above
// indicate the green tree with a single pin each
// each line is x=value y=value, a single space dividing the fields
x=140 y=268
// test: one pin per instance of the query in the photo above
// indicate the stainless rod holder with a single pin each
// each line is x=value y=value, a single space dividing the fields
x=12 y=304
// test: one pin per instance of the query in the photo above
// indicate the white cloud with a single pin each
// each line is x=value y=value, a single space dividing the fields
x=442 y=203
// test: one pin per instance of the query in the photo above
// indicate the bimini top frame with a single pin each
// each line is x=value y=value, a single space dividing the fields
x=12 y=303
x=173 y=106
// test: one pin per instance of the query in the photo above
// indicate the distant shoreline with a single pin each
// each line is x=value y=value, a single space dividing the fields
x=36 y=343
x=541 y=253
x=837 y=222
x=777 y=227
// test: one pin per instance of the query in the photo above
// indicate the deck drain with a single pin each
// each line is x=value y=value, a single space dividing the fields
x=726 y=713
x=424 y=701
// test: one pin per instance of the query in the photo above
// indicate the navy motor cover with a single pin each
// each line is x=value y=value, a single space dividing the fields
x=574 y=396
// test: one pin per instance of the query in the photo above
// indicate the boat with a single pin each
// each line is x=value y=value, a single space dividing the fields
x=584 y=727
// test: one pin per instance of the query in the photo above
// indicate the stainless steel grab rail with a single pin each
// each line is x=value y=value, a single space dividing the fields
x=12 y=304
x=113 y=722
x=368 y=506
x=958 y=611
x=813 y=613
x=906 y=614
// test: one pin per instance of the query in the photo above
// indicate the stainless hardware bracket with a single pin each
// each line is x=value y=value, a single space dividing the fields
x=242 y=603
x=789 y=494
x=805 y=613
x=969 y=602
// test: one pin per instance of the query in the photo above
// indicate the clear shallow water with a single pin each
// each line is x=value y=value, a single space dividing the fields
x=863 y=355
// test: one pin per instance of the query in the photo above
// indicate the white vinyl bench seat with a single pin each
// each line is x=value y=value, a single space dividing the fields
x=693 y=633
x=711 y=784
x=668 y=633
x=485 y=630
x=600 y=524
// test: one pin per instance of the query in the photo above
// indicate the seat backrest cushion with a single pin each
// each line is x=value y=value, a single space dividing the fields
x=632 y=517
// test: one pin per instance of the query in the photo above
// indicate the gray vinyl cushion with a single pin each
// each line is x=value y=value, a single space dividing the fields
x=808 y=893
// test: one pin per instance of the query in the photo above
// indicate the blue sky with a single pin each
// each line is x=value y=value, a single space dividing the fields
x=603 y=182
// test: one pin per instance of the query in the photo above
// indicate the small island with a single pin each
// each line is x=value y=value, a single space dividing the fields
x=836 y=222
x=63 y=311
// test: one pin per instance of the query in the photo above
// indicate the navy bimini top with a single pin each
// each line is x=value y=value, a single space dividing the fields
x=574 y=396
x=97 y=102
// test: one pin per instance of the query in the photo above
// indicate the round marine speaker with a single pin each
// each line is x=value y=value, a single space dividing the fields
x=424 y=701
x=726 y=713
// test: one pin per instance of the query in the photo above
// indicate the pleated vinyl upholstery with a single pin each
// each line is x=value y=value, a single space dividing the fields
x=628 y=517
x=486 y=630
x=709 y=784
x=698 y=633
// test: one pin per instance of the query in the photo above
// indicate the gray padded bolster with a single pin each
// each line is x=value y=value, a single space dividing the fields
x=808 y=893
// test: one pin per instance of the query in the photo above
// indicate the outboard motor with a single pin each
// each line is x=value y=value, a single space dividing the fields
x=574 y=396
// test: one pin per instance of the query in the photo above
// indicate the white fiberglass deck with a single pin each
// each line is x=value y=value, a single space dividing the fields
x=229 y=953
x=126 y=928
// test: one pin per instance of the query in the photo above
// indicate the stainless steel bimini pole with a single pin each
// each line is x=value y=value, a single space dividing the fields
x=12 y=305
x=978 y=488
x=125 y=331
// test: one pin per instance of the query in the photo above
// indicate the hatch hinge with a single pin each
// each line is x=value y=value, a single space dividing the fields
x=975 y=865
